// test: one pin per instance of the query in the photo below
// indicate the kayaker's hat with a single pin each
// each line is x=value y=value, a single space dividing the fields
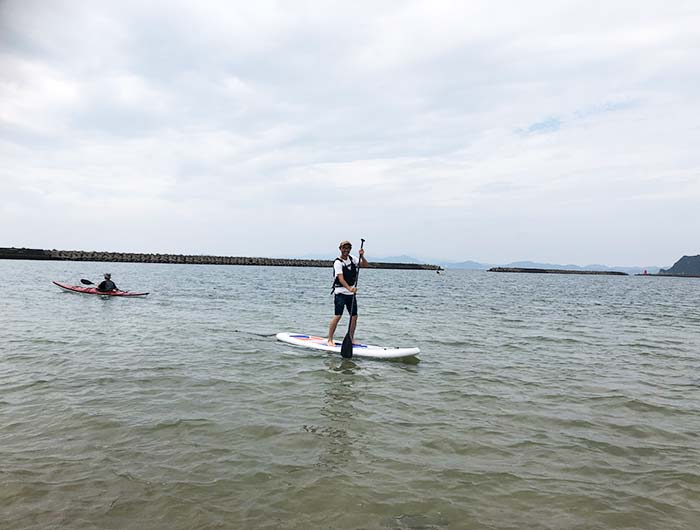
x=107 y=276
x=343 y=243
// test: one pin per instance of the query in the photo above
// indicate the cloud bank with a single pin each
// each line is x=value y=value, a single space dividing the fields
x=491 y=131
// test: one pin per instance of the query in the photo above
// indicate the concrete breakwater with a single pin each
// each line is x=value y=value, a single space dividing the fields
x=666 y=275
x=555 y=271
x=80 y=255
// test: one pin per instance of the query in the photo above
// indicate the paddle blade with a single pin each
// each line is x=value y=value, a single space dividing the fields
x=86 y=282
x=346 y=348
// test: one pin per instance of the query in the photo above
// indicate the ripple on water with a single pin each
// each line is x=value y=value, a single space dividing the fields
x=537 y=402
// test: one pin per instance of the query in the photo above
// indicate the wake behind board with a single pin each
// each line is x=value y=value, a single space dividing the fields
x=358 y=350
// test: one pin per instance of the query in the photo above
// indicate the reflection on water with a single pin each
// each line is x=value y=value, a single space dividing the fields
x=345 y=366
x=338 y=410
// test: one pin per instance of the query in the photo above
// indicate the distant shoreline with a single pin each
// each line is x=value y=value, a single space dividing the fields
x=556 y=271
x=185 y=259
x=565 y=271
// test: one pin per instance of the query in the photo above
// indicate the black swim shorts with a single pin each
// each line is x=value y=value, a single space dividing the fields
x=345 y=300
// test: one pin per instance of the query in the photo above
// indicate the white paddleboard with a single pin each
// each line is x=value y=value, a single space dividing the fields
x=358 y=350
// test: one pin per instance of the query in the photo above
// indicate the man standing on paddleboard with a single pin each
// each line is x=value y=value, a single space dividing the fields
x=344 y=289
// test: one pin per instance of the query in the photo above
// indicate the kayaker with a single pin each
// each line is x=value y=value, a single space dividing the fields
x=107 y=284
x=345 y=274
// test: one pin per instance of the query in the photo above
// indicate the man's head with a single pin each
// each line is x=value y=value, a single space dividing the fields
x=345 y=247
x=107 y=276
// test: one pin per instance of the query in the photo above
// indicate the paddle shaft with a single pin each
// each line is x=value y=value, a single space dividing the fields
x=357 y=280
x=346 y=348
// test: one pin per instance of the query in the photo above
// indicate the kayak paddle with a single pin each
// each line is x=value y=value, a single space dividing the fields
x=346 y=348
x=86 y=282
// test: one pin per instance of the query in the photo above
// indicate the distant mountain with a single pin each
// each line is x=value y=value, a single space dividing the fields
x=398 y=259
x=686 y=266
x=592 y=267
x=535 y=265
x=652 y=269
x=470 y=265
x=475 y=265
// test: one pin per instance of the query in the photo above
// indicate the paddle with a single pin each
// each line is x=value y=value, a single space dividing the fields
x=86 y=282
x=346 y=348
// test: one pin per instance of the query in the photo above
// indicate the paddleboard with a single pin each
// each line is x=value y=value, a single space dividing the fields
x=93 y=290
x=358 y=350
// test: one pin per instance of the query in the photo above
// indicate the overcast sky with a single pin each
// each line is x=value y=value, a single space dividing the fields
x=493 y=131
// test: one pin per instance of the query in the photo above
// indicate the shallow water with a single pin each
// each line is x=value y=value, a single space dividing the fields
x=539 y=401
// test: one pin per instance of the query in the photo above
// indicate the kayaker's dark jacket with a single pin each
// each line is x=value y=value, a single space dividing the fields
x=349 y=274
x=106 y=286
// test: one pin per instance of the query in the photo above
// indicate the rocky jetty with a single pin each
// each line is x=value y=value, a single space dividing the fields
x=686 y=266
x=80 y=255
x=555 y=271
x=23 y=253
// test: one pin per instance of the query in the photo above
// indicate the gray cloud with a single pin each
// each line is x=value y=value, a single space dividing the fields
x=461 y=130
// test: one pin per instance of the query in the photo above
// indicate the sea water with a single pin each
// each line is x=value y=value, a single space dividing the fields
x=538 y=401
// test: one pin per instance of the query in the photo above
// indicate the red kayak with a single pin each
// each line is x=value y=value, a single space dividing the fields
x=93 y=290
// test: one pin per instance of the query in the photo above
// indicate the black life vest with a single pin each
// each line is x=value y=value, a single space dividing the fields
x=106 y=286
x=349 y=274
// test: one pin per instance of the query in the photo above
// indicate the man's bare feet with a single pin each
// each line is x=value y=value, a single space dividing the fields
x=331 y=343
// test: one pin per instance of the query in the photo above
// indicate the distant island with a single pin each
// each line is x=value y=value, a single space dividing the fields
x=474 y=265
x=686 y=266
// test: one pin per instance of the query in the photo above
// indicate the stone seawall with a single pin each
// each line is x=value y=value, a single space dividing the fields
x=131 y=257
x=555 y=271
x=665 y=275
x=23 y=253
